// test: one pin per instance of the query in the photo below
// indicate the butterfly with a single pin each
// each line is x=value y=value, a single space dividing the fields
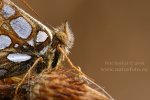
x=23 y=40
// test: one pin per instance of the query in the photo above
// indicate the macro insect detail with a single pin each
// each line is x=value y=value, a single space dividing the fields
x=24 y=39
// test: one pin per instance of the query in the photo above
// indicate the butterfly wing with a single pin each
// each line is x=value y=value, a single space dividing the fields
x=22 y=40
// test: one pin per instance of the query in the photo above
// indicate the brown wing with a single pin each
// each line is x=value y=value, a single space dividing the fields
x=22 y=39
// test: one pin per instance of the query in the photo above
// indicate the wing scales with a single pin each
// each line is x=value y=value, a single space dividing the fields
x=22 y=30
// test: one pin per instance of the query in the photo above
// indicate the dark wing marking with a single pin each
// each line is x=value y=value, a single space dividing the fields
x=13 y=68
x=15 y=30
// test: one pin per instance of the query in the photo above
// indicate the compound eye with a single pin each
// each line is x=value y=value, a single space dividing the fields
x=62 y=37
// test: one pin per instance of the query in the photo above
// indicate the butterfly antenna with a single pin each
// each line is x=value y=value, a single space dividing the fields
x=29 y=7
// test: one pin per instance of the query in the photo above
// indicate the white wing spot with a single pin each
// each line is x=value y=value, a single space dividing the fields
x=24 y=46
x=44 y=50
x=31 y=42
x=41 y=36
x=21 y=27
x=7 y=11
x=5 y=41
x=16 y=45
x=18 y=57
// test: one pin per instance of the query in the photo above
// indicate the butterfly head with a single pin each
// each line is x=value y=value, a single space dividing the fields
x=63 y=36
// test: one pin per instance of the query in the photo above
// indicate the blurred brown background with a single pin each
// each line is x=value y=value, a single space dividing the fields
x=107 y=31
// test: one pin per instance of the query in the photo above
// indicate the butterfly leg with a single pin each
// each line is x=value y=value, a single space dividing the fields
x=69 y=61
x=40 y=59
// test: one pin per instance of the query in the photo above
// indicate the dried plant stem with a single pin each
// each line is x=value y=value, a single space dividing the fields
x=62 y=83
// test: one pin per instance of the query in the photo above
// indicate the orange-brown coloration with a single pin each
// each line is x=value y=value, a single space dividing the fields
x=21 y=28
x=23 y=46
